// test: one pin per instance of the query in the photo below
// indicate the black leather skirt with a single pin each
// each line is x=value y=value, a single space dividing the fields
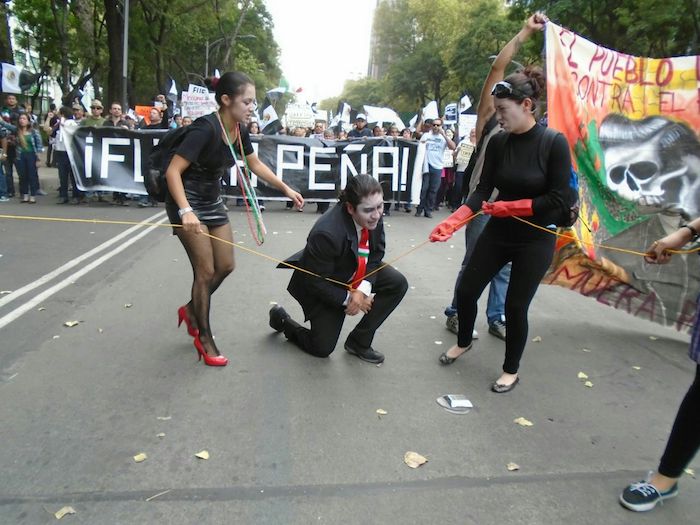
x=204 y=196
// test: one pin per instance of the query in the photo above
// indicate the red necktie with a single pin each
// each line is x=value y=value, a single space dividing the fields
x=362 y=256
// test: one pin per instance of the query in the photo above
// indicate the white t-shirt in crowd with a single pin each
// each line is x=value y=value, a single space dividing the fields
x=435 y=145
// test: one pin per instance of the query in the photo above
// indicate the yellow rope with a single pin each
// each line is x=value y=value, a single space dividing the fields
x=304 y=270
x=597 y=245
x=168 y=225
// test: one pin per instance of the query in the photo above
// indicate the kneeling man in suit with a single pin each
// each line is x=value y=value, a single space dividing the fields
x=345 y=245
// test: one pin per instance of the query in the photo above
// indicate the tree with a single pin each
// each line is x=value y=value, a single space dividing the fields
x=636 y=27
x=6 y=54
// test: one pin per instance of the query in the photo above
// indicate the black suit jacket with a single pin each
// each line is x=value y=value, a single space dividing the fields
x=331 y=251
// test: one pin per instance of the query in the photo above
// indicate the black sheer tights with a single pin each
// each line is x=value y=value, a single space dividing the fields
x=211 y=261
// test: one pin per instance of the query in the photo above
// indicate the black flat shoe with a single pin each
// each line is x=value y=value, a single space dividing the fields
x=366 y=354
x=446 y=360
x=278 y=316
x=502 y=389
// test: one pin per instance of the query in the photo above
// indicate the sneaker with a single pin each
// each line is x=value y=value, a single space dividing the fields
x=32 y=200
x=4 y=199
x=498 y=329
x=643 y=496
x=452 y=324
x=41 y=192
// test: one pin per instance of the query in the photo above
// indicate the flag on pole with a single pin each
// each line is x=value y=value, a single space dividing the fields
x=269 y=121
x=464 y=103
x=10 y=79
x=172 y=92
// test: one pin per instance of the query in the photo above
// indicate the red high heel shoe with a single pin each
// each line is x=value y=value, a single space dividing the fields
x=182 y=316
x=209 y=360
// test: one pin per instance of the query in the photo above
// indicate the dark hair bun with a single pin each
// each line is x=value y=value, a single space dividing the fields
x=211 y=83
x=536 y=78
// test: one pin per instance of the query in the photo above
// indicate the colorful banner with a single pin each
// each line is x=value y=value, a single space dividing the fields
x=632 y=124
x=115 y=159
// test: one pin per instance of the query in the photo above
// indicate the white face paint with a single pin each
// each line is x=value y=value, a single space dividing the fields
x=368 y=211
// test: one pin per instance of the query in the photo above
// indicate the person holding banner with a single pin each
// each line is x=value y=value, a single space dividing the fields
x=684 y=441
x=527 y=188
x=211 y=145
x=346 y=245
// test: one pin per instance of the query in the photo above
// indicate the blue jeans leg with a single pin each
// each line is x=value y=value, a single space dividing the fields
x=62 y=162
x=496 y=305
x=435 y=177
x=424 y=187
x=3 y=183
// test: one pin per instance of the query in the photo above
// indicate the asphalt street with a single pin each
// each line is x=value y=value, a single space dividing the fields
x=294 y=439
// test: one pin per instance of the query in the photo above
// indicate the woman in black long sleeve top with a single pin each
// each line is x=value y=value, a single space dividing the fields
x=512 y=165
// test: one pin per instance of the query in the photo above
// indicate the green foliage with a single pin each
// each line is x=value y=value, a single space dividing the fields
x=638 y=27
x=165 y=39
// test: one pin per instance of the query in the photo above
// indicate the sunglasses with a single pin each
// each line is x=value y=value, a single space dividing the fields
x=95 y=107
x=437 y=125
x=505 y=89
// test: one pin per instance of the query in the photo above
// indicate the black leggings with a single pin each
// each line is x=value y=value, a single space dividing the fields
x=531 y=253
x=684 y=440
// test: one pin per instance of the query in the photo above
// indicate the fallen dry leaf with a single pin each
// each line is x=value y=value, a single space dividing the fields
x=523 y=422
x=414 y=459
x=41 y=309
x=653 y=337
x=581 y=375
x=139 y=458
x=432 y=317
x=161 y=435
x=585 y=349
x=128 y=305
x=637 y=367
x=64 y=512
x=513 y=466
x=202 y=455
x=5 y=292
x=381 y=412
x=164 y=418
x=438 y=342
x=588 y=384
x=56 y=337
x=71 y=324
x=690 y=472
x=537 y=339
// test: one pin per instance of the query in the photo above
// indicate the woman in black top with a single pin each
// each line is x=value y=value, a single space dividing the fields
x=525 y=189
x=194 y=200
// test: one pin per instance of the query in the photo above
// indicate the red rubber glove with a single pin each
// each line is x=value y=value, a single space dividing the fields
x=454 y=222
x=521 y=208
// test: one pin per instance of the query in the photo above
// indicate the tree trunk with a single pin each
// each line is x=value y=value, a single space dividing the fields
x=114 y=20
x=6 y=54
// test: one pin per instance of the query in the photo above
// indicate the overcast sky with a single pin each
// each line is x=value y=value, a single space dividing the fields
x=323 y=43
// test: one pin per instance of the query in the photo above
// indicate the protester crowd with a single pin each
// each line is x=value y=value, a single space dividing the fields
x=442 y=183
x=485 y=176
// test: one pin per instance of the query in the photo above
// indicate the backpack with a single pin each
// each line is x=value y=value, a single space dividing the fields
x=159 y=159
x=568 y=215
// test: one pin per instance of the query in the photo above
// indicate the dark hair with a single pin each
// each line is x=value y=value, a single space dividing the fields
x=529 y=82
x=232 y=84
x=66 y=112
x=359 y=187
